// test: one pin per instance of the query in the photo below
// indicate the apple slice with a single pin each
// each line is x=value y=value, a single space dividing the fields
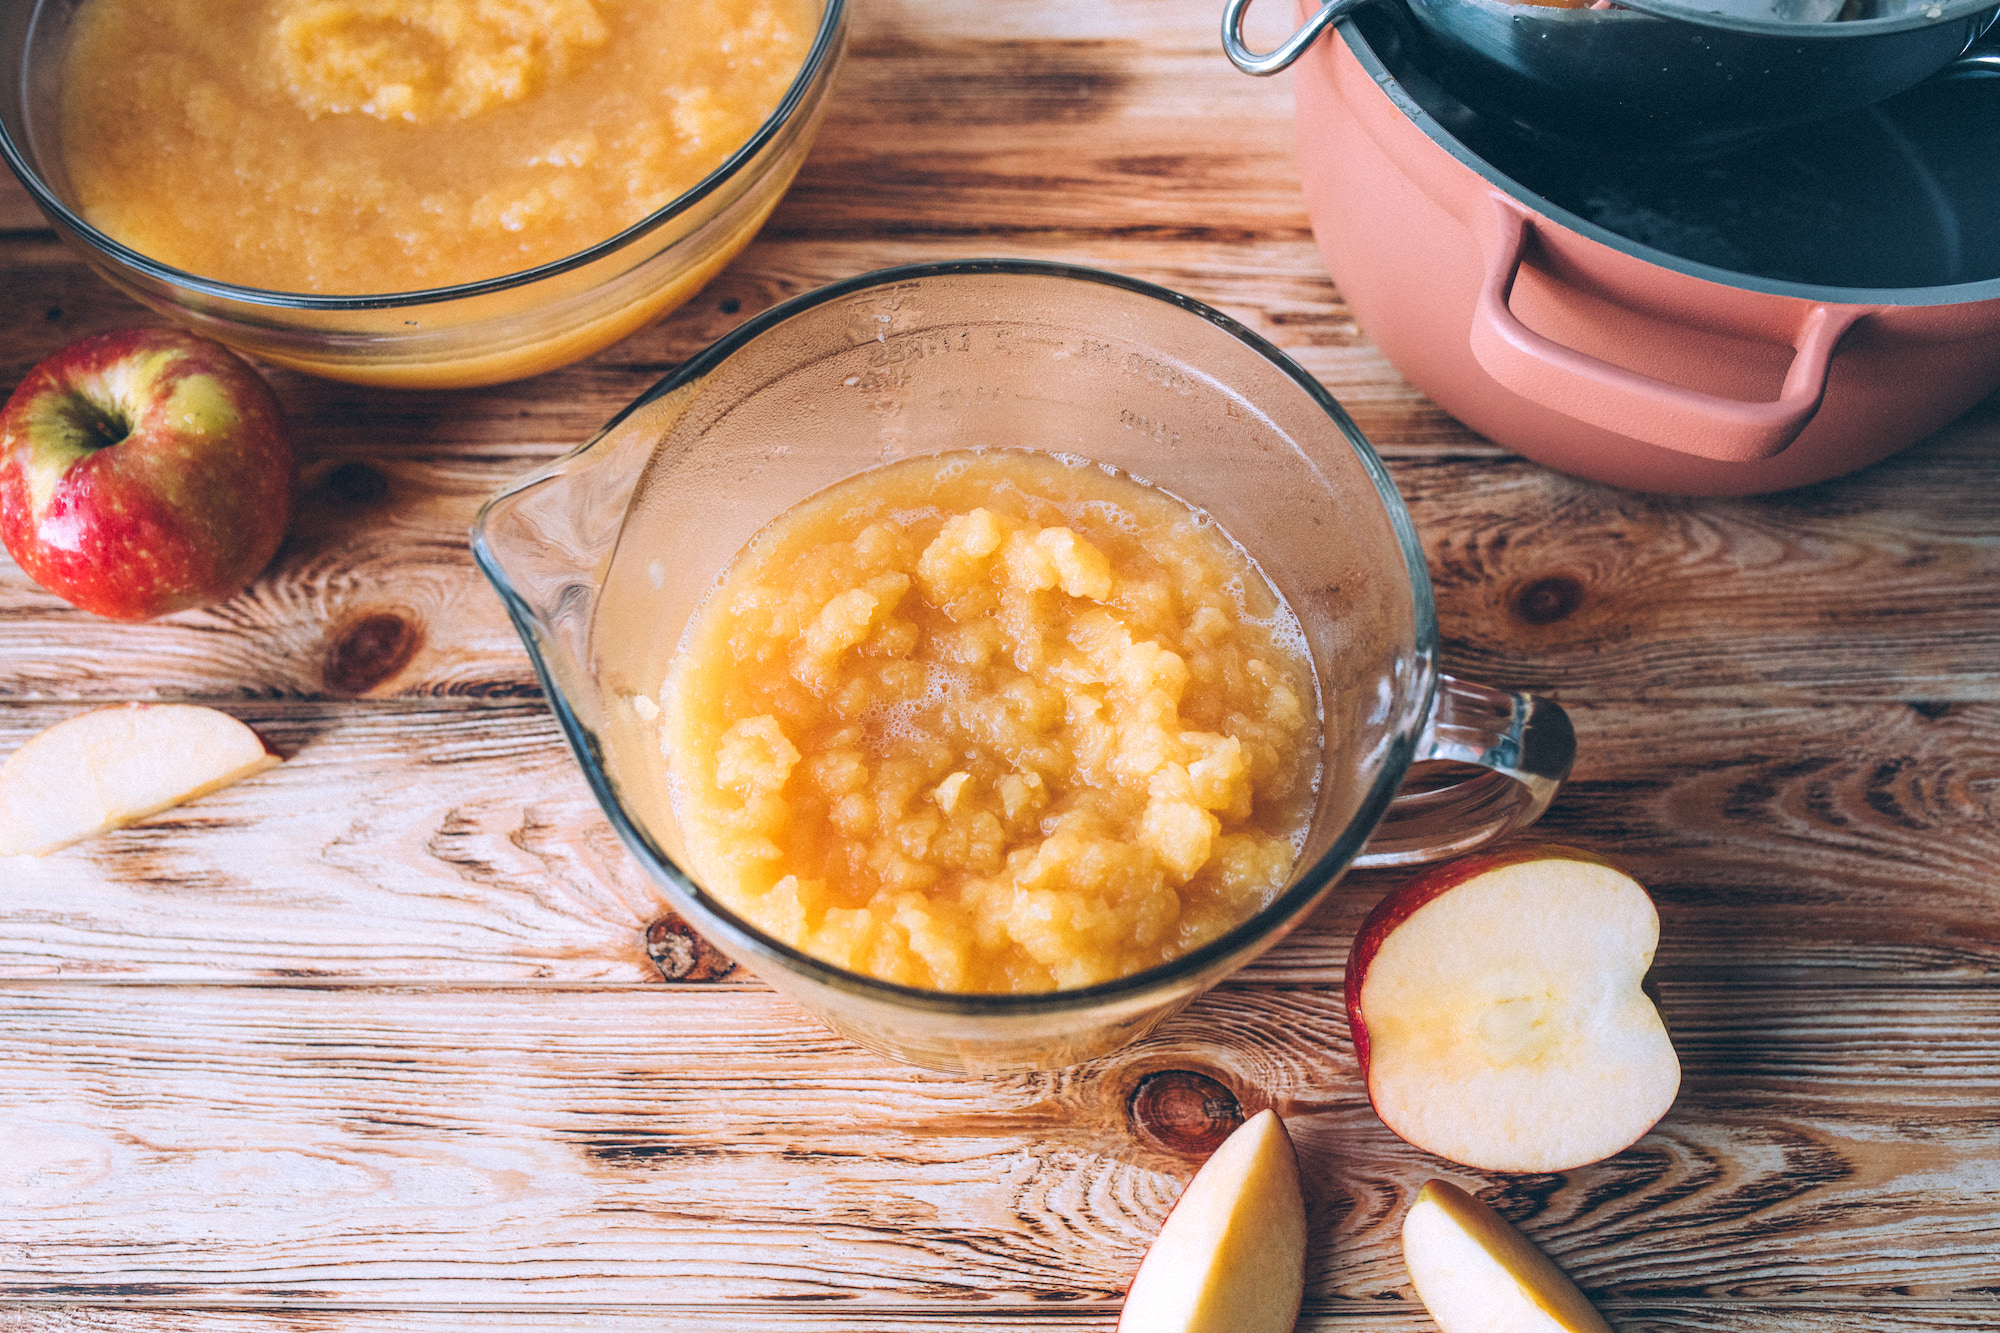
x=1476 y=1274
x=106 y=768
x=1497 y=1014
x=1231 y=1257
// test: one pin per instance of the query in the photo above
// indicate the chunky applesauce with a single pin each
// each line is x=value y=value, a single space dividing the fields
x=992 y=721
x=361 y=146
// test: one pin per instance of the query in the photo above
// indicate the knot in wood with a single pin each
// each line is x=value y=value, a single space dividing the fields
x=1547 y=600
x=682 y=954
x=1184 y=1113
x=357 y=483
x=368 y=648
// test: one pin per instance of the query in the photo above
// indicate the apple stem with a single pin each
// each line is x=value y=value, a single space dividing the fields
x=100 y=429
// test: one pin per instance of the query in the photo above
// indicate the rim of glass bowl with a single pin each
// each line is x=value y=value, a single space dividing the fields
x=1297 y=896
x=818 y=60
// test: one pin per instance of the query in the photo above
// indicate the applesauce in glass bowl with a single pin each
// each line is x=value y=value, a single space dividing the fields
x=500 y=202
x=992 y=720
x=607 y=556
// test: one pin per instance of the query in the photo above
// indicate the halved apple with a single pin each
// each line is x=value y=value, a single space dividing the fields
x=1497 y=1014
x=1476 y=1274
x=106 y=768
x=1231 y=1256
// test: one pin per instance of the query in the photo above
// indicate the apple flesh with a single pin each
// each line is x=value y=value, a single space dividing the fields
x=143 y=471
x=106 y=768
x=1231 y=1256
x=1476 y=1274
x=1498 y=1016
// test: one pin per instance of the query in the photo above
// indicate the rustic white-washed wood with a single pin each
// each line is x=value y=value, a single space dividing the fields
x=1627 y=1317
x=393 y=841
x=459 y=843
x=692 y=1145
x=1867 y=587
x=1787 y=709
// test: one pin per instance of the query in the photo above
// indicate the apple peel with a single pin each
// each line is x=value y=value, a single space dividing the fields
x=1498 y=1015
x=105 y=769
x=1231 y=1256
x=1476 y=1274
x=144 y=471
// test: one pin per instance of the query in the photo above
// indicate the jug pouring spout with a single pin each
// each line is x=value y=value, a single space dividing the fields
x=546 y=540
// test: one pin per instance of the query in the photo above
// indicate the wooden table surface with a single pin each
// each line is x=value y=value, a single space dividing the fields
x=388 y=1038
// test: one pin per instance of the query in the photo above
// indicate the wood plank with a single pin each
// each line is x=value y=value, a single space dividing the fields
x=1880 y=584
x=332 y=864
x=1154 y=27
x=970 y=126
x=1275 y=286
x=1225 y=178
x=699 y=1146
x=1837 y=837
x=17 y=211
x=1883 y=586
x=1628 y=1317
x=406 y=841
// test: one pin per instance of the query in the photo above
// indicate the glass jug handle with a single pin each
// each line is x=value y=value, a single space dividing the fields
x=1525 y=744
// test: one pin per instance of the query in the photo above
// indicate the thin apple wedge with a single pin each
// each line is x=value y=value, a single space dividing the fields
x=1498 y=1015
x=1476 y=1274
x=1231 y=1257
x=106 y=768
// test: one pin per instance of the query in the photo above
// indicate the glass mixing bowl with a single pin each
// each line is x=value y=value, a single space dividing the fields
x=602 y=557
x=449 y=337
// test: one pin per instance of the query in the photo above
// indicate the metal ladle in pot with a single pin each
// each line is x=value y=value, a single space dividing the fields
x=1664 y=74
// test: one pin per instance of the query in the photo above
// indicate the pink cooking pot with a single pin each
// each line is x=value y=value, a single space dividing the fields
x=1758 y=337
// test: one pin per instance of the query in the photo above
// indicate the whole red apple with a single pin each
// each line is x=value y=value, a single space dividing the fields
x=142 y=472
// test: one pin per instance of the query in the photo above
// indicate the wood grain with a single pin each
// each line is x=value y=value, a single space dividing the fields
x=1870 y=587
x=460 y=843
x=701 y=1146
x=333 y=864
x=379 y=1041
x=301 y=1317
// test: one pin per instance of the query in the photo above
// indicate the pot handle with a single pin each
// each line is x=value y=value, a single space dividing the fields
x=1295 y=46
x=1981 y=57
x=1525 y=745
x=1638 y=406
x=1974 y=64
